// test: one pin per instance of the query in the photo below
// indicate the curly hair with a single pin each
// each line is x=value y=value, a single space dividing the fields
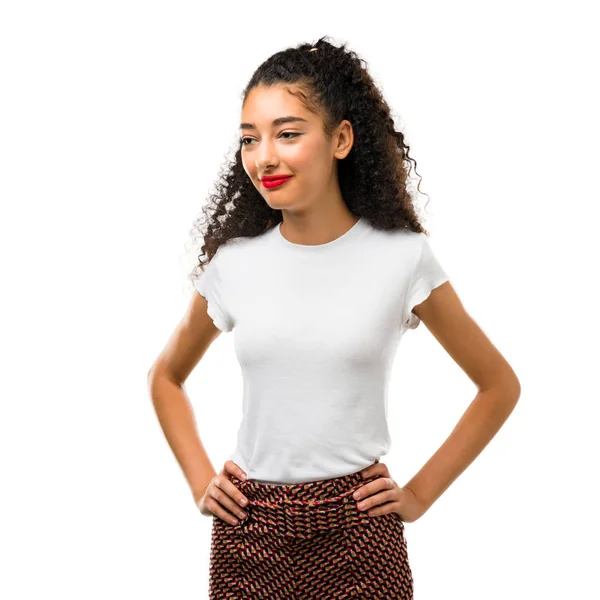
x=333 y=83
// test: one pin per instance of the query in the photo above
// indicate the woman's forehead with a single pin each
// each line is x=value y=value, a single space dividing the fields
x=266 y=104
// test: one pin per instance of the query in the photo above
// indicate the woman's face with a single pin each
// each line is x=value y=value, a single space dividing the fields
x=297 y=147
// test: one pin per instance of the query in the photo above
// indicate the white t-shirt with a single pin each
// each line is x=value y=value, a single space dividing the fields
x=316 y=329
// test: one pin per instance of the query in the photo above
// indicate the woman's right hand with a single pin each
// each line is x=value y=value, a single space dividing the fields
x=221 y=498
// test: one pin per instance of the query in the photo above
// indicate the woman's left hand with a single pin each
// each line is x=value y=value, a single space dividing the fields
x=384 y=495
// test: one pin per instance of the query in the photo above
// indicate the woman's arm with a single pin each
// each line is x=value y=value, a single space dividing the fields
x=166 y=379
x=499 y=390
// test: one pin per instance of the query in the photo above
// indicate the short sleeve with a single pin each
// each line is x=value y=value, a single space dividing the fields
x=427 y=274
x=210 y=284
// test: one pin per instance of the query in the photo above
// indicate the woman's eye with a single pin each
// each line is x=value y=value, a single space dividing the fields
x=293 y=134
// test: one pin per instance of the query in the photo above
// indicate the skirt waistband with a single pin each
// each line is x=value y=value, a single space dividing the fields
x=302 y=509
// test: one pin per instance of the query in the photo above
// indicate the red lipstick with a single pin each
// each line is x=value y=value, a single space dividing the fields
x=272 y=181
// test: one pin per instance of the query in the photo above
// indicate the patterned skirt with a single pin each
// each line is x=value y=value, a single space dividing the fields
x=308 y=541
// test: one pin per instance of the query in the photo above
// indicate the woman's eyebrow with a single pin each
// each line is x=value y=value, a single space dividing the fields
x=276 y=122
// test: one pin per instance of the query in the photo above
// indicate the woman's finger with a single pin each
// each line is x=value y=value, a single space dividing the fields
x=381 y=483
x=218 y=511
x=376 y=468
x=228 y=501
x=377 y=499
x=234 y=469
x=383 y=509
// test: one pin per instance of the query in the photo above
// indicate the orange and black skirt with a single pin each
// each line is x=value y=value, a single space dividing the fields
x=308 y=541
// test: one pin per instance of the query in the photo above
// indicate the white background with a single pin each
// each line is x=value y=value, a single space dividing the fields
x=115 y=118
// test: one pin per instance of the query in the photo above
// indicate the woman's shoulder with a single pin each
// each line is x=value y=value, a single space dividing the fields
x=397 y=238
x=235 y=252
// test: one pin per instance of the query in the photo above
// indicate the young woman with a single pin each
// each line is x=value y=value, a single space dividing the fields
x=319 y=264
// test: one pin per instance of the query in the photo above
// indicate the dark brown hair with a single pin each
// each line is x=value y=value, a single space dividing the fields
x=333 y=83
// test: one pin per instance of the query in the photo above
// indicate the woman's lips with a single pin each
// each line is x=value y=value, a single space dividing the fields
x=275 y=182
